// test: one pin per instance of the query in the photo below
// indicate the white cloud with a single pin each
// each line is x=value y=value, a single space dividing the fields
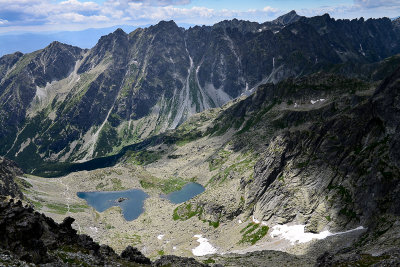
x=47 y=8
x=76 y=18
x=270 y=9
x=359 y=8
x=196 y=14
x=170 y=12
x=76 y=5
x=3 y=21
x=9 y=2
x=161 y=2
x=377 y=3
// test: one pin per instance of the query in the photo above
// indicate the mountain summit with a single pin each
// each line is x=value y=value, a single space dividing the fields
x=287 y=18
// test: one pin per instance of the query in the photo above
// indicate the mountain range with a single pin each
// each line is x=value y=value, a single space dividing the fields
x=63 y=103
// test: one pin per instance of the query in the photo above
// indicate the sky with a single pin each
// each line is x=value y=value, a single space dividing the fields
x=72 y=15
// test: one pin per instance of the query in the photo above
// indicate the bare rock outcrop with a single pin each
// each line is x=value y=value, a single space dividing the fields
x=8 y=171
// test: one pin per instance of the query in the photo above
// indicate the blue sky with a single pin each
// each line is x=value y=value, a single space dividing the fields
x=61 y=15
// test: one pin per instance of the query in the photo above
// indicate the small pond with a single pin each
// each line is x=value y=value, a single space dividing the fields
x=189 y=191
x=130 y=201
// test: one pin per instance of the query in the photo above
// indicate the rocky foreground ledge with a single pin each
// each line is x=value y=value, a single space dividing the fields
x=29 y=238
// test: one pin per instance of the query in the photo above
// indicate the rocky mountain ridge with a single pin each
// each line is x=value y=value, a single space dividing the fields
x=31 y=237
x=8 y=172
x=63 y=103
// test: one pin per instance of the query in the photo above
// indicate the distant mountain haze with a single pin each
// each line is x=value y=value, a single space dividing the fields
x=29 y=42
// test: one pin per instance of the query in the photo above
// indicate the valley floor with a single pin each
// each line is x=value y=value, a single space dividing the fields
x=155 y=232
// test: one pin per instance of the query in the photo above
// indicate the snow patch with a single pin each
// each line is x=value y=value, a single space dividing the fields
x=93 y=229
x=204 y=248
x=362 y=50
x=24 y=145
x=316 y=101
x=240 y=221
x=262 y=29
x=160 y=237
x=295 y=233
x=41 y=93
x=255 y=220
x=174 y=248
x=135 y=62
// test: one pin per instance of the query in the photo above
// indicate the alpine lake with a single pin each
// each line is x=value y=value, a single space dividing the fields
x=132 y=201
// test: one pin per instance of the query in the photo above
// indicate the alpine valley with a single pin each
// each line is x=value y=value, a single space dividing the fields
x=291 y=127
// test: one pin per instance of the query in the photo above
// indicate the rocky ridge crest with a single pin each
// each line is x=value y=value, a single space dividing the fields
x=8 y=171
x=31 y=237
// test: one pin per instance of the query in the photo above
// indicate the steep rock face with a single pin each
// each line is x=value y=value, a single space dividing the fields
x=363 y=46
x=67 y=104
x=387 y=108
x=341 y=173
x=8 y=171
x=19 y=86
x=249 y=125
x=7 y=61
x=112 y=45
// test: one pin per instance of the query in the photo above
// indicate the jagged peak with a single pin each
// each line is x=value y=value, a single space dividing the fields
x=119 y=31
x=241 y=25
x=165 y=26
x=287 y=18
x=106 y=38
x=234 y=21
x=17 y=54
x=59 y=45
x=54 y=44
x=166 y=23
x=326 y=15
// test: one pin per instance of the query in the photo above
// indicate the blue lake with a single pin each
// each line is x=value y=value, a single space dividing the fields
x=189 y=191
x=132 y=201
